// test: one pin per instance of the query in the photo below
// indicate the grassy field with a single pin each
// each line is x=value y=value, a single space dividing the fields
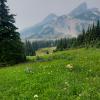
x=66 y=75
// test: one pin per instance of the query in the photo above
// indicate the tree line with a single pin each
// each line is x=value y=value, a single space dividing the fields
x=88 y=38
x=31 y=47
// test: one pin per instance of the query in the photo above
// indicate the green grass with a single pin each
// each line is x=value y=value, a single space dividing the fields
x=49 y=78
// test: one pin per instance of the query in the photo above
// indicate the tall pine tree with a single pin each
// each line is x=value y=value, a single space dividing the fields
x=11 y=47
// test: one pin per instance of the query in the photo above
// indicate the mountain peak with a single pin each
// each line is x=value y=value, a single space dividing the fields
x=80 y=9
x=50 y=17
x=84 y=5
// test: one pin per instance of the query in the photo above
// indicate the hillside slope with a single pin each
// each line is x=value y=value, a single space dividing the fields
x=67 y=75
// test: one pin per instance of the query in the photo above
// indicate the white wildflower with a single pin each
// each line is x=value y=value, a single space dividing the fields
x=66 y=83
x=87 y=78
x=49 y=73
x=80 y=95
x=36 y=96
x=28 y=70
x=69 y=66
x=65 y=88
x=90 y=70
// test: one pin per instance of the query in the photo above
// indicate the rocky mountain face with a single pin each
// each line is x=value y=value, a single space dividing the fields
x=55 y=27
x=79 y=10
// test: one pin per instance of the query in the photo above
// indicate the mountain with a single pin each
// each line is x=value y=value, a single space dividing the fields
x=55 y=27
x=79 y=10
x=38 y=28
x=49 y=18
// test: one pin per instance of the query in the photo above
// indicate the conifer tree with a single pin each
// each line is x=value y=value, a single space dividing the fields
x=98 y=30
x=11 y=47
x=29 y=49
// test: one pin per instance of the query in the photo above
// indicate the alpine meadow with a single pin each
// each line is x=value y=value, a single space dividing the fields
x=57 y=58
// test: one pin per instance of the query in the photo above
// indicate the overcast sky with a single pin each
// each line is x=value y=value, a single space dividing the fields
x=30 y=12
